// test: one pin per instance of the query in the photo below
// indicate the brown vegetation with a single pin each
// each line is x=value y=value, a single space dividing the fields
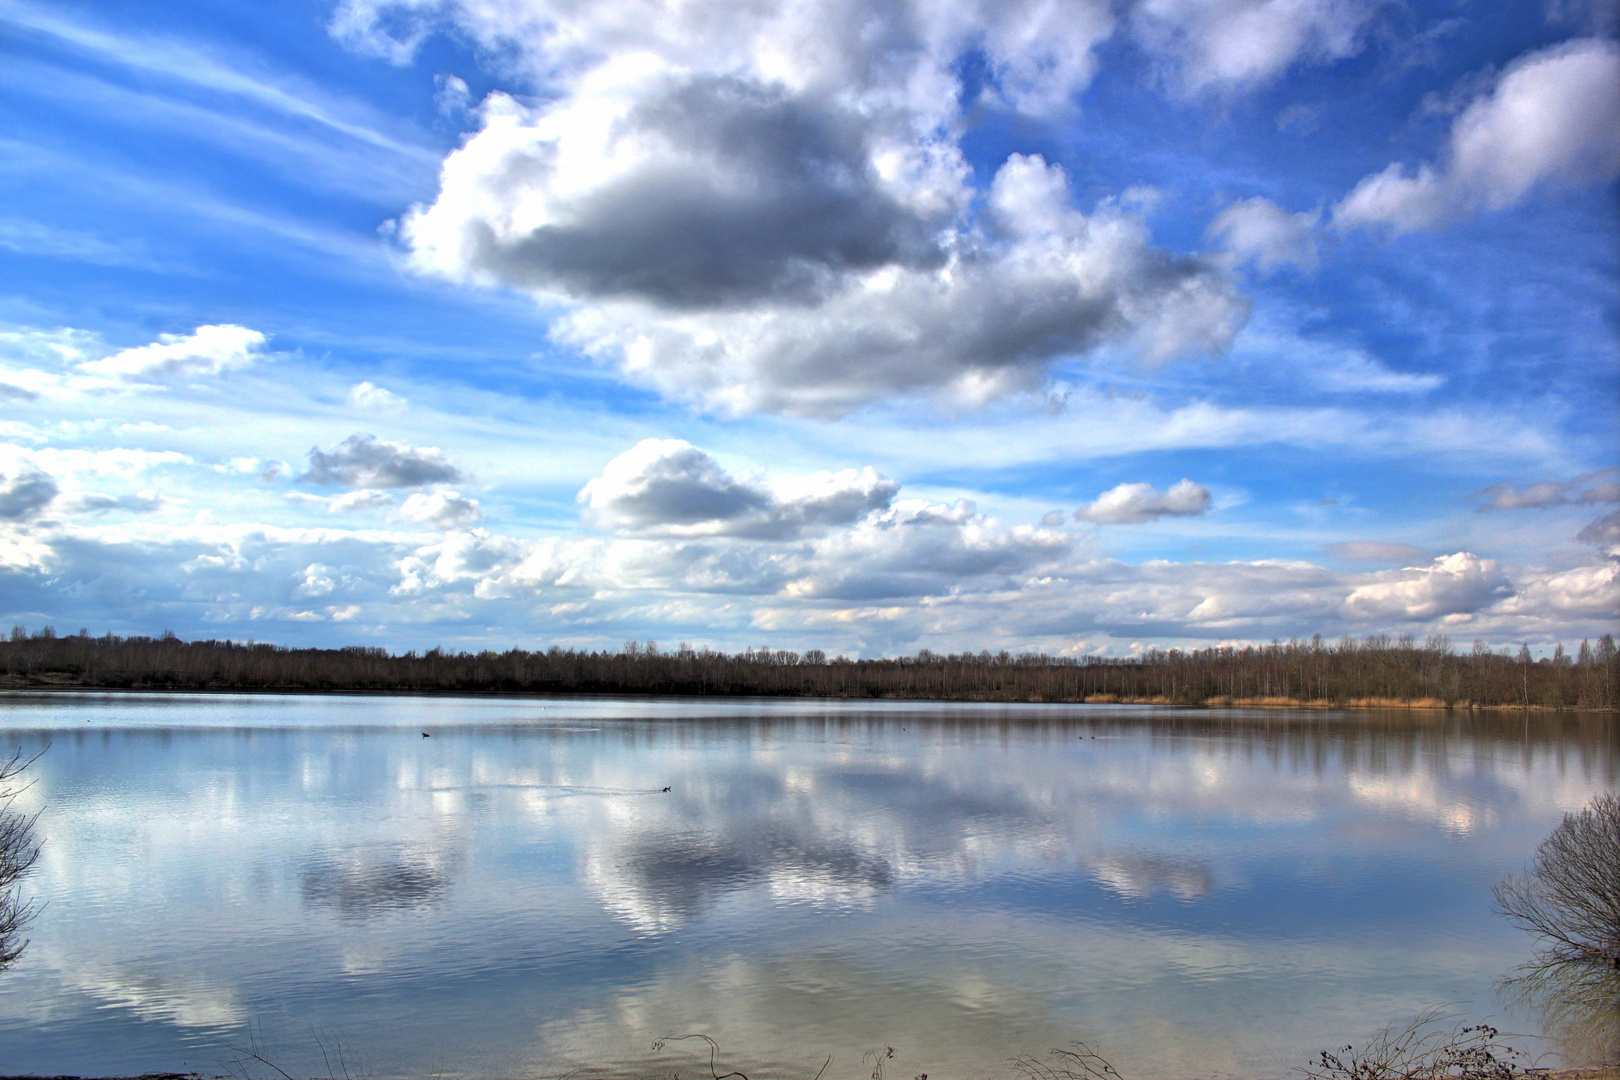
x=1570 y=901
x=18 y=852
x=1373 y=672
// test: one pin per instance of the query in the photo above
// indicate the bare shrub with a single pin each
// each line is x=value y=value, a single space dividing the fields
x=18 y=852
x=1570 y=900
x=1427 y=1048
x=1080 y=1063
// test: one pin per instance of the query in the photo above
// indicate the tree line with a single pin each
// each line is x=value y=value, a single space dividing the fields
x=1372 y=670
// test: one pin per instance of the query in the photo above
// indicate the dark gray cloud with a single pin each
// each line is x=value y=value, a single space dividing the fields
x=93 y=503
x=740 y=192
x=1605 y=530
x=25 y=490
x=1376 y=551
x=1602 y=486
x=361 y=883
x=670 y=486
x=364 y=461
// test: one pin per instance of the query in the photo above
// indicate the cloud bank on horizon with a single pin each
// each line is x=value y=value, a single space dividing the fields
x=865 y=326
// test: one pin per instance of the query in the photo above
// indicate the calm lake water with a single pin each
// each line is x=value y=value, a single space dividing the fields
x=1197 y=893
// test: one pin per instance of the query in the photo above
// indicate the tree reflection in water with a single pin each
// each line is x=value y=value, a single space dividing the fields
x=1570 y=899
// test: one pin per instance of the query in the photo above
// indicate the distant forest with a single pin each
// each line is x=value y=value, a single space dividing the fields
x=1372 y=671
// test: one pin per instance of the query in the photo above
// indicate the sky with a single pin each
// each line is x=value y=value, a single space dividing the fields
x=1079 y=326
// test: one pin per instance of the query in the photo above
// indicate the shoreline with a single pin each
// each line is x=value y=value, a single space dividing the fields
x=14 y=685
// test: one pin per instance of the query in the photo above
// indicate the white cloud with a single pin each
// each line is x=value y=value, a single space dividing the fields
x=25 y=488
x=1240 y=44
x=440 y=509
x=351 y=502
x=916 y=573
x=1550 y=597
x=367 y=461
x=669 y=486
x=368 y=395
x=208 y=350
x=1133 y=503
x=1459 y=584
x=1357 y=373
x=1551 y=121
x=1260 y=230
x=768 y=208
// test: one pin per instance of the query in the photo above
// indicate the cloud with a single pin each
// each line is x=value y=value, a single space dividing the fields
x=918 y=548
x=1602 y=486
x=1356 y=373
x=25 y=489
x=1049 y=282
x=1228 y=45
x=355 y=501
x=1551 y=121
x=208 y=350
x=1604 y=530
x=1545 y=598
x=770 y=209
x=452 y=96
x=684 y=193
x=1459 y=584
x=366 y=461
x=1133 y=503
x=92 y=503
x=440 y=509
x=1374 y=551
x=368 y=395
x=1262 y=231
x=669 y=486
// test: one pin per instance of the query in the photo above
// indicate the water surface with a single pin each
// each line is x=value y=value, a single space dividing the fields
x=1198 y=893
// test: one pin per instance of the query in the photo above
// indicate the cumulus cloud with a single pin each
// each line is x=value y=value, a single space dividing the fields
x=1048 y=282
x=25 y=488
x=365 y=461
x=1238 y=44
x=208 y=350
x=1546 y=598
x=689 y=193
x=669 y=486
x=1453 y=585
x=768 y=208
x=1259 y=230
x=1134 y=503
x=440 y=509
x=368 y=395
x=1551 y=121
x=1602 y=486
x=918 y=548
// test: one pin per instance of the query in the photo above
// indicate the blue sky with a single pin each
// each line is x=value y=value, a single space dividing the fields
x=856 y=325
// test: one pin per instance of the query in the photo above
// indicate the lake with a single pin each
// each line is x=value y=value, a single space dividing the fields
x=1194 y=892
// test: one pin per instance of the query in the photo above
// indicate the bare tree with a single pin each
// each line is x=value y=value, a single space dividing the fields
x=18 y=852
x=1570 y=899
